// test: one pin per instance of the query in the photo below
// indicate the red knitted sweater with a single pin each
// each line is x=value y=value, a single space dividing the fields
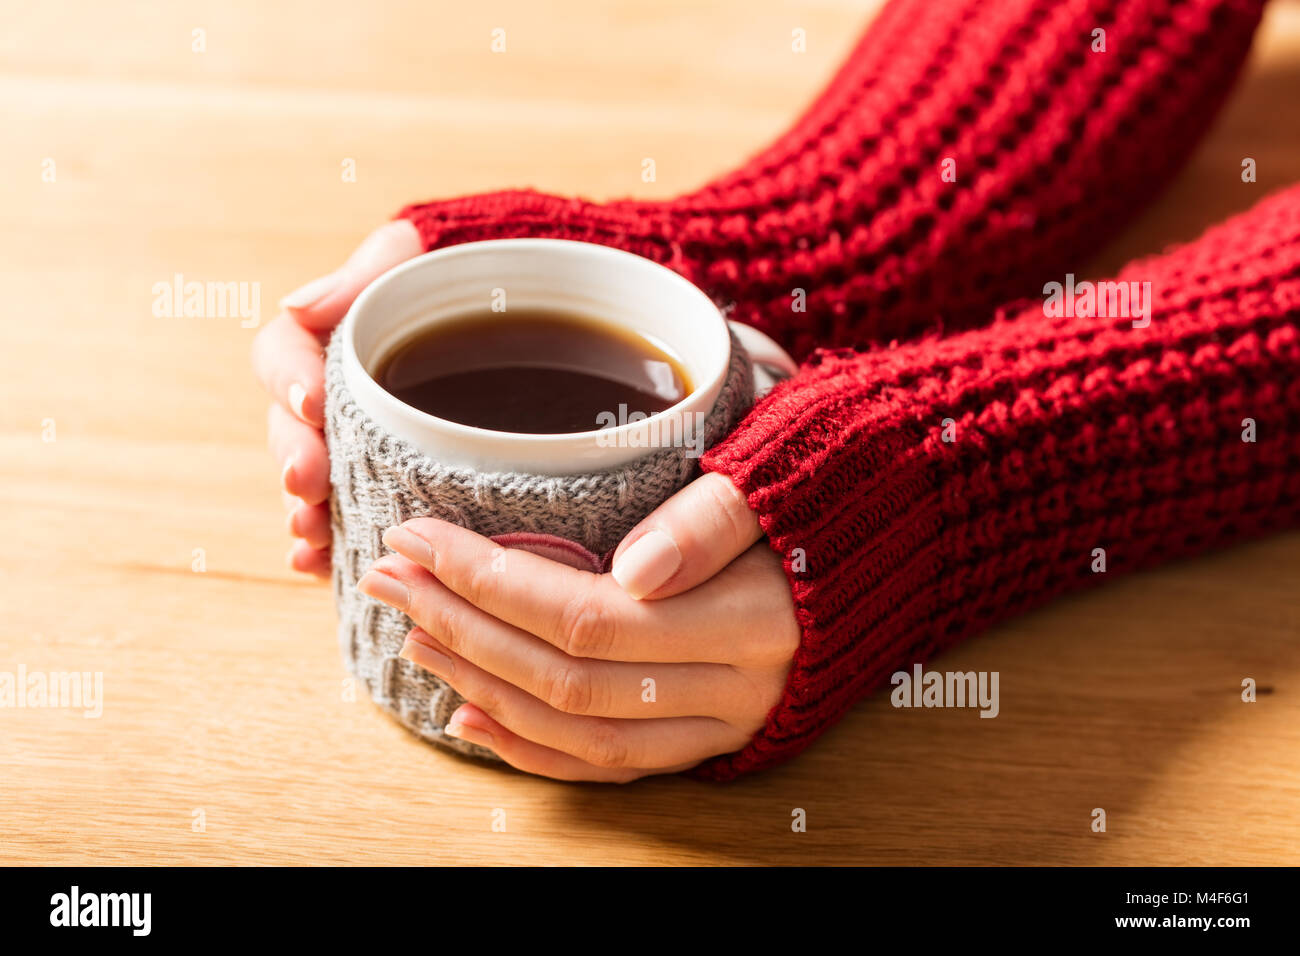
x=1053 y=147
x=939 y=486
x=1068 y=435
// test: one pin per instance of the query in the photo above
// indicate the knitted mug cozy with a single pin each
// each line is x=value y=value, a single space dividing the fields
x=380 y=480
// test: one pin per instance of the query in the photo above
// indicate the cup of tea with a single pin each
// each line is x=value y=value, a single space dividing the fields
x=546 y=393
x=543 y=356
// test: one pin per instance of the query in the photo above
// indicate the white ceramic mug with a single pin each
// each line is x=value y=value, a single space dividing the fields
x=597 y=281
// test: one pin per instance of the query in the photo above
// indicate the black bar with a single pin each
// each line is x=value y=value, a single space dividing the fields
x=333 y=905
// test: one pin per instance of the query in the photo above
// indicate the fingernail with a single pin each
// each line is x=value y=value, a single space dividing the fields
x=651 y=560
x=312 y=292
x=431 y=659
x=297 y=397
x=381 y=587
x=409 y=545
x=286 y=474
x=458 y=727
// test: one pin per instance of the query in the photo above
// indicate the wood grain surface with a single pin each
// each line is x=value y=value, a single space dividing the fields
x=225 y=734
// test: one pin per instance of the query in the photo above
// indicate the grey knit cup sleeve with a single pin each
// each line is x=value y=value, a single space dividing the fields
x=380 y=480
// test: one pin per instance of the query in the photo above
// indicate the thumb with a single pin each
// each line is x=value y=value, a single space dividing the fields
x=321 y=304
x=686 y=540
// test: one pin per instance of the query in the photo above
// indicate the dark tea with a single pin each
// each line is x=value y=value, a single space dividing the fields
x=536 y=371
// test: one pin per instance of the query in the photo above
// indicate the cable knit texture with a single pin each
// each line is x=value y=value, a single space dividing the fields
x=1052 y=146
x=1067 y=434
x=379 y=481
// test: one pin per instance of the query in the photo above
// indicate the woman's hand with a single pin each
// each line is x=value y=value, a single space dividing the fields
x=289 y=360
x=570 y=674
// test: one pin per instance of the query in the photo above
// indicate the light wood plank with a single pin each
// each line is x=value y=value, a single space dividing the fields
x=223 y=689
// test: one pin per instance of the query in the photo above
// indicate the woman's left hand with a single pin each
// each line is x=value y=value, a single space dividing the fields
x=676 y=656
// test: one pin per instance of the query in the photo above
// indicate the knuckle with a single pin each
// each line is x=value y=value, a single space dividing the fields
x=776 y=650
x=788 y=640
x=776 y=633
x=587 y=626
x=733 y=507
x=258 y=348
x=775 y=644
x=394 y=227
x=786 y=637
x=569 y=691
x=605 y=746
x=731 y=511
x=761 y=692
x=449 y=626
x=489 y=700
x=478 y=583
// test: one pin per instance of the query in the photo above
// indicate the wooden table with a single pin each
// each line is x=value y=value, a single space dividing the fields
x=225 y=736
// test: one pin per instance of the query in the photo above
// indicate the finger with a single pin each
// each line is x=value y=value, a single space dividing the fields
x=312 y=524
x=471 y=723
x=686 y=540
x=728 y=620
x=572 y=685
x=474 y=725
x=321 y=304
x=290 y=364
x=303 y=557
x=599 y=741
x=302 y=455
x=585 y=615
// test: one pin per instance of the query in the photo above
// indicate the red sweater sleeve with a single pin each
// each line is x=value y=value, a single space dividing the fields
x=965 y=152
x=1068 y=434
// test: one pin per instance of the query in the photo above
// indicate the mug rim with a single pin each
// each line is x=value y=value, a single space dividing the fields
x=548 y=440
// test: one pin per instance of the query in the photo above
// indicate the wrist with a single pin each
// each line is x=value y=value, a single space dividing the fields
x=640 y=228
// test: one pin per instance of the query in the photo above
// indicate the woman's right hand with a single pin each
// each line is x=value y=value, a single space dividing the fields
x=289 y=359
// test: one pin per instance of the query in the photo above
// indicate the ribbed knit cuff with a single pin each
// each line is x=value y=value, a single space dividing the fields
x=522 y=213
x=919 y=494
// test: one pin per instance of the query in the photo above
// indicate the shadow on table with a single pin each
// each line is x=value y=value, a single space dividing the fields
x=1261 y=121
x=1100 y=694
x=1093 y=712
